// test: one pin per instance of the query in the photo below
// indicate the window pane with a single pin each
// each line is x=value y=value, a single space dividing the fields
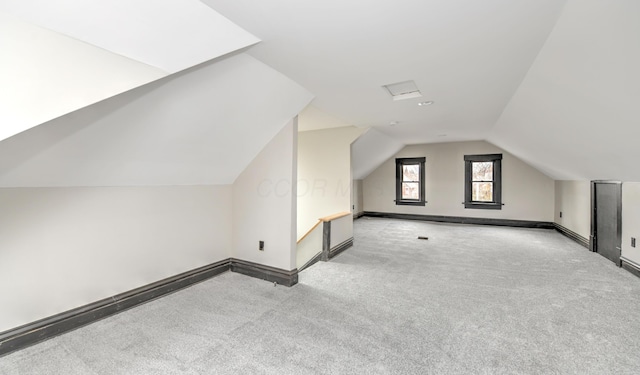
x=482 y=171
x=482 y=192
x=411 y=172
x=411 y=190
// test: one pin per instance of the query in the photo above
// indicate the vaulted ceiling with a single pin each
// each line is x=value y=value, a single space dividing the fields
x=576 y=113
x=467 y=56
x=121 y=93
x=186 y=129
x=63 y=55
x=554 y=82
x=551 y=81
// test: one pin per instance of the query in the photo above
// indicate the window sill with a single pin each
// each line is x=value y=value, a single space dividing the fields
x=483 y=206
x=410 y=203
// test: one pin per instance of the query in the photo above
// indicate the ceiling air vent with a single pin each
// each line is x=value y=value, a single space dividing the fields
x=403 y=90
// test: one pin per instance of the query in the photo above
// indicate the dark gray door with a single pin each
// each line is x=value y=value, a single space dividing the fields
x=606 y=220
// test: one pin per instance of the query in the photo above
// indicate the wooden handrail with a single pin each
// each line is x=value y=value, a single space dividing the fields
x=323 y=220
x=334 y=216
x=309 y=232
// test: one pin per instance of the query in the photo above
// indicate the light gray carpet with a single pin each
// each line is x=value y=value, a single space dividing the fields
x=470 y=300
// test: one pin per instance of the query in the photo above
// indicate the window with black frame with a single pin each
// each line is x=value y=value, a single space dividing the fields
x=410 y=189
x=483 y=181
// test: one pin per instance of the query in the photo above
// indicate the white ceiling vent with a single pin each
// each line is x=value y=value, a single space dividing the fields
x=403 y=90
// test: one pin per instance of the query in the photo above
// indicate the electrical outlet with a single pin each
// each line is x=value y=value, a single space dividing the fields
x=560 y=213
x=633 y=242
x=261 y=245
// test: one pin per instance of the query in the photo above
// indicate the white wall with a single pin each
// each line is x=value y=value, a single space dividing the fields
x=527 y=193
x=341 y=230
x=62 y=248
x=264 y=204
x=631 y=220
x=324 y=174
x=140 y=187
x=573 y=198
x=356 y=200
x=310 y=246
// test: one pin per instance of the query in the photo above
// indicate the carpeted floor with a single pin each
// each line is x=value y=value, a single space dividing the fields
x=469 y=300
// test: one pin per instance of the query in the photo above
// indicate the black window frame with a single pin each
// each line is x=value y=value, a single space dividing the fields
x=410 y=161
x=496 y=204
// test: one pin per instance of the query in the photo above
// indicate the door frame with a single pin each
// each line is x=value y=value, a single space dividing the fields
x=593 y=246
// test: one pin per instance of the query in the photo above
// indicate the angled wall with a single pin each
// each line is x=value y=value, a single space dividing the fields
x=575 y=115
x=264 y=204
x=187 y=129
x=140 y=187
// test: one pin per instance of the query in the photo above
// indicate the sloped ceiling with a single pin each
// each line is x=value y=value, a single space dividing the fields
x=60 y=56
x=555 y=85
x=468 y=56
x=44 y=75
x=553 y=82
x=371 y=150
x=312 y=118
x=187 y=129
x=576 y=114
x=171 y=35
